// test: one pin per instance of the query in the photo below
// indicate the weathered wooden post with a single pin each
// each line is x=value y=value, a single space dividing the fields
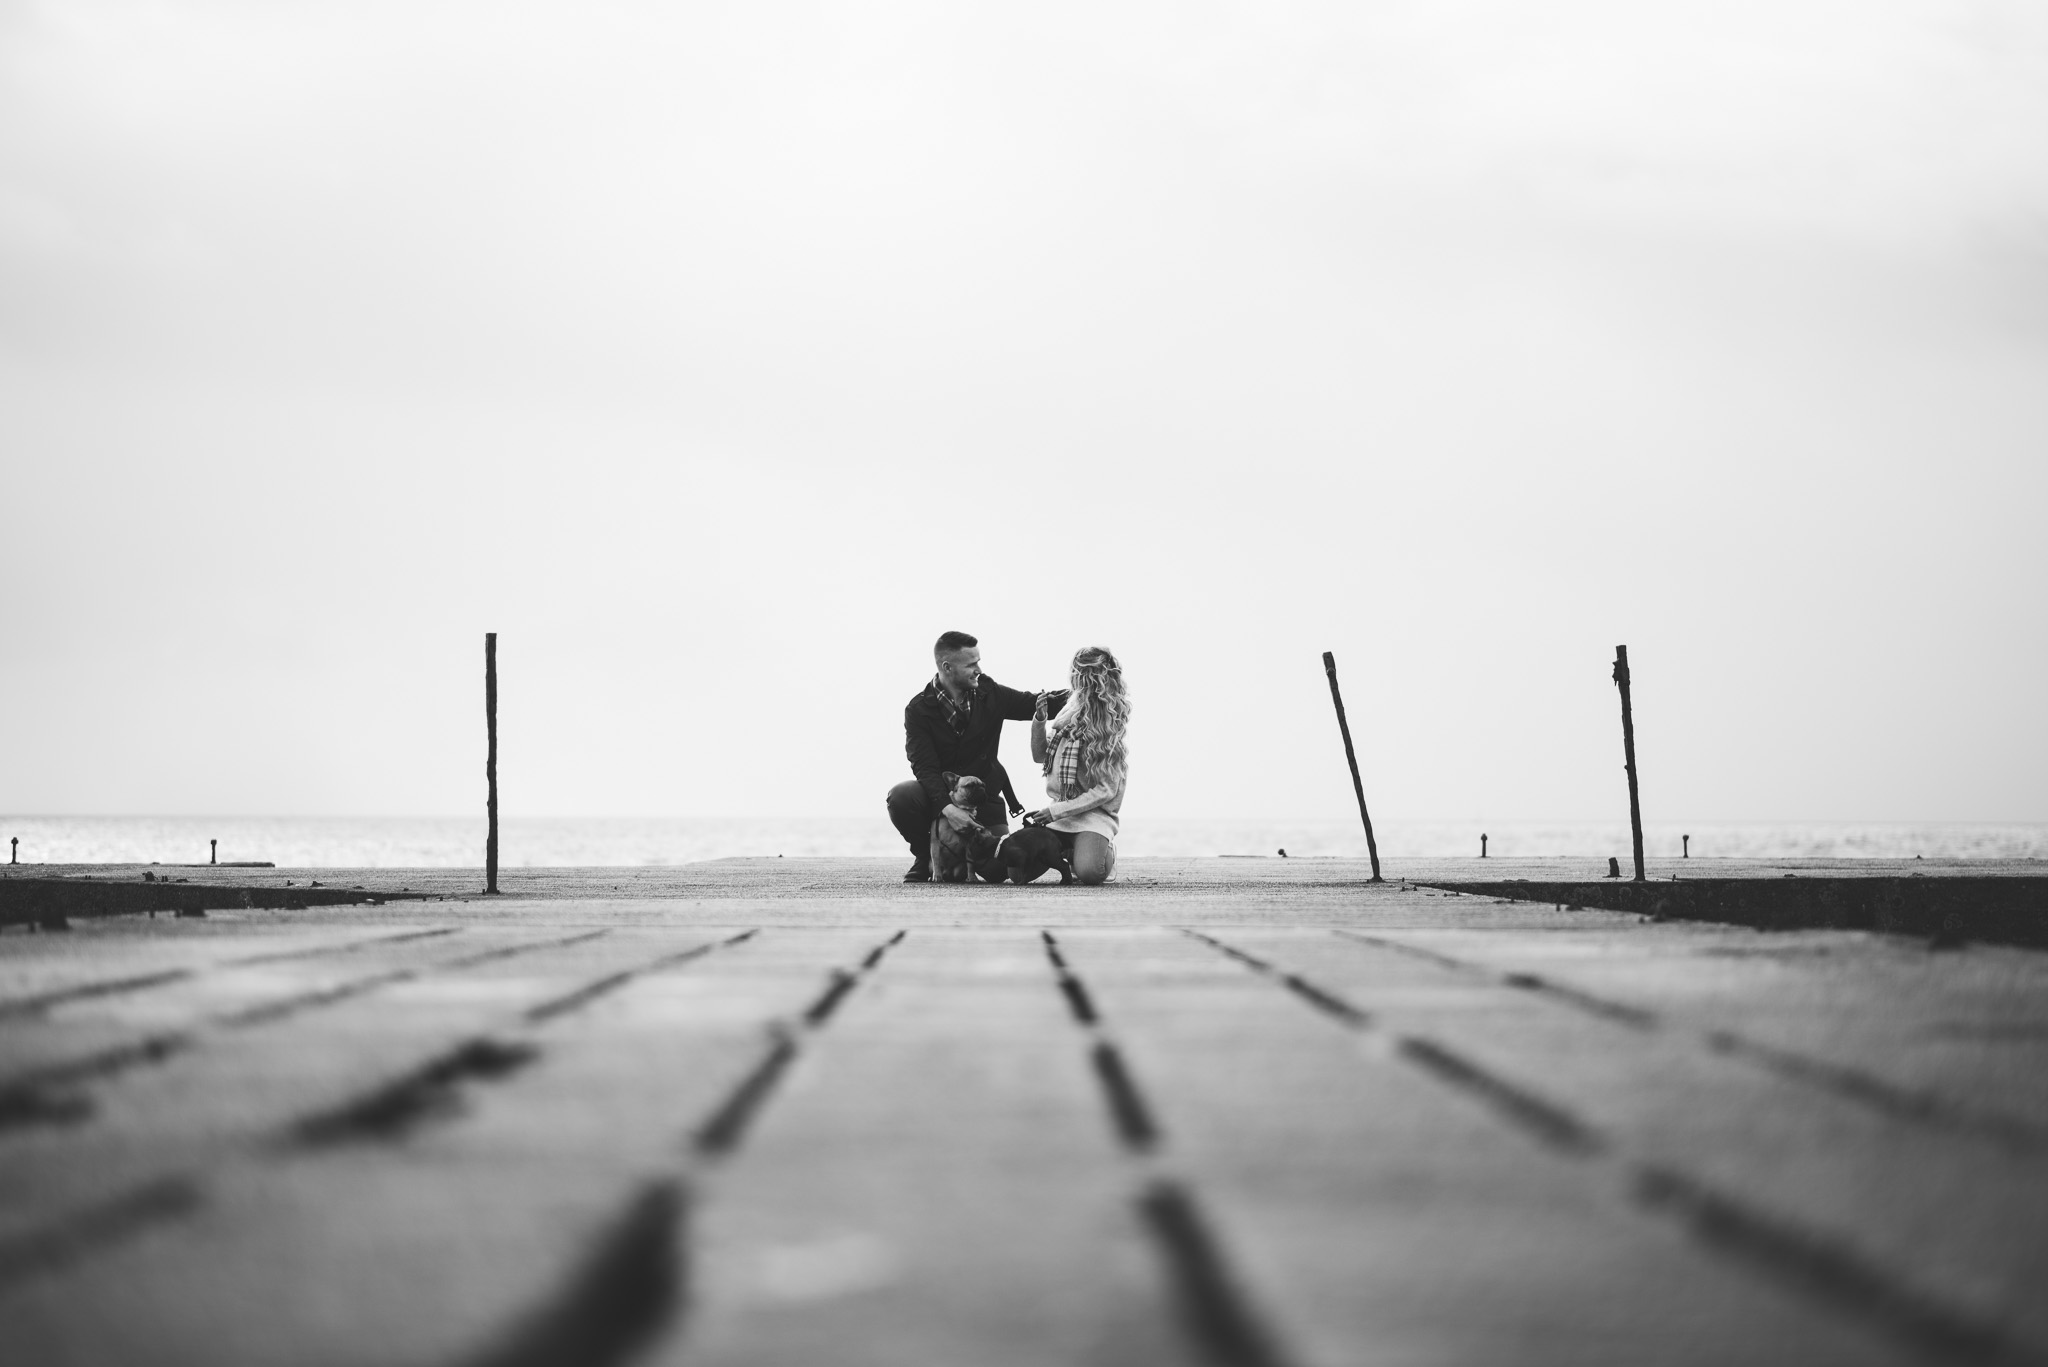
x=1351 y=758
x=1482 y=844
x=491 y=758
x=1628 y=750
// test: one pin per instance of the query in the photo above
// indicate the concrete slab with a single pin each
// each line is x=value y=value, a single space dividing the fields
x=937 y=1182
x=1886 y=1185
x=1246 y=1111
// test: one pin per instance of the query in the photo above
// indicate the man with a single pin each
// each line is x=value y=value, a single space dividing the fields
x=954 y=726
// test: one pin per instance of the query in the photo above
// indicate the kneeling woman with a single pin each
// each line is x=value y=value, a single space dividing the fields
x=1082 y=750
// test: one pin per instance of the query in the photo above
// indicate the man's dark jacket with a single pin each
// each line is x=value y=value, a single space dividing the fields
x=936 y=749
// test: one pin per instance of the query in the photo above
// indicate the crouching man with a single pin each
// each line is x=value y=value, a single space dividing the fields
x=955 y=726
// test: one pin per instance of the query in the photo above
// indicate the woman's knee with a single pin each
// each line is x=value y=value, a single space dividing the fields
x=1094 y=857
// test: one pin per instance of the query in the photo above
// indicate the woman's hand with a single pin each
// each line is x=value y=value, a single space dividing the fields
x=1043 y=709
x=1039 y=817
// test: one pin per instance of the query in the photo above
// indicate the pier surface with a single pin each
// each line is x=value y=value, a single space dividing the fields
x=785 y=1111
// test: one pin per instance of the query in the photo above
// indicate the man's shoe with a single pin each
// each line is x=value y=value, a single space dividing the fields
x=920 y=872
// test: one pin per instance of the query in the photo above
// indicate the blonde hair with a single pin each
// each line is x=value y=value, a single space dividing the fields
x=1104 y=711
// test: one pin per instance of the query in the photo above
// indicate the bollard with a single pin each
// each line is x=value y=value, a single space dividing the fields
x=1686 y=849
x=1613 y=867
x=14 y=849
x=491 y=758
x=1351 y=758
x=1482 y=844
x=1628 y=750
x=213 y=851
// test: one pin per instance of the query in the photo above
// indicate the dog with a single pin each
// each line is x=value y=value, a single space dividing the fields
x=1027 y=853
x=956 y=850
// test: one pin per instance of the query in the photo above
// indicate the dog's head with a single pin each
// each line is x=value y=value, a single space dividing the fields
x=966 y=790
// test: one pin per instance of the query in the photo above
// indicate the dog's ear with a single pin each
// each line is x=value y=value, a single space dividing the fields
x=952 y=779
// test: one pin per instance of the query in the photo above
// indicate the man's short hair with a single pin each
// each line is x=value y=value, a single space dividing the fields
x=950 y=642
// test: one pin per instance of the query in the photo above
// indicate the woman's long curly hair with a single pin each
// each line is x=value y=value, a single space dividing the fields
x=1105 y=709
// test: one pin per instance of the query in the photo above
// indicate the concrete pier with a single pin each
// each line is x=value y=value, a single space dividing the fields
x=1221 y=1111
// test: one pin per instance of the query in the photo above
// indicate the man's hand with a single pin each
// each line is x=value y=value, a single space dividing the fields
x=960 y=819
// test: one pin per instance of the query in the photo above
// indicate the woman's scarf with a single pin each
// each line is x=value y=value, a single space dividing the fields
x=1063 y=756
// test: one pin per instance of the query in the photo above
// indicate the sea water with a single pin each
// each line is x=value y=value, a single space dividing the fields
x=536 y=842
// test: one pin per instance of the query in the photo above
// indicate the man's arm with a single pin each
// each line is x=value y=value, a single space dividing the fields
x=1010 y=704
x=923 y=754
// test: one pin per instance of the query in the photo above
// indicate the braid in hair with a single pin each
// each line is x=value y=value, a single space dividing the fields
x=1105 y=711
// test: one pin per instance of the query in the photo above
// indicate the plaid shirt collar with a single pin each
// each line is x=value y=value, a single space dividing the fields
x=959 y=712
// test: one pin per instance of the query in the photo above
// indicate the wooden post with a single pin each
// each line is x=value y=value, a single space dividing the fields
x=1628 y=751
x=1351 y=758
x=491 y=758
x=1482 y=844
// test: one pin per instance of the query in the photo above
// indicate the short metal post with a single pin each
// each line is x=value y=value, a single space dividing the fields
x=213 y=851
x=1687 y=854
x=1482 y=844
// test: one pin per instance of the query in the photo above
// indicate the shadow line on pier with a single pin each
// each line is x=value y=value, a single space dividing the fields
x=727 y=1126
x=1825 y=1268
x=267 y=1012
x=386 y=1112
x=1216 y=1312
x=104 y=1224
x=53 y=1093
x=42 y=1002
x=628 y=1288
x=1911 y=1104
x=431 y=1091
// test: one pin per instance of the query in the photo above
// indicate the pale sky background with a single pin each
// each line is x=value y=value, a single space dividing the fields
x=720 y=356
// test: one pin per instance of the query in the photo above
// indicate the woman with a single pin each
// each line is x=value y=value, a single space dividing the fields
x=1082 y=750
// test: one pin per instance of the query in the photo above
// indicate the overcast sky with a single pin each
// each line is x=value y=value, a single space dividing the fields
x=721 y=356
